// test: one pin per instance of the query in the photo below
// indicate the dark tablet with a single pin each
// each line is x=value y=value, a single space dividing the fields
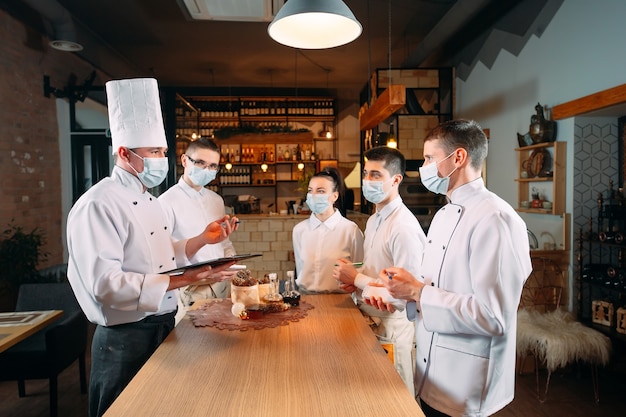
x=213 y=262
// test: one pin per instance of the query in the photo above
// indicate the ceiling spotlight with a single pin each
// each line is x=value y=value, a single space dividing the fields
x=314 y=24
x=66 y=46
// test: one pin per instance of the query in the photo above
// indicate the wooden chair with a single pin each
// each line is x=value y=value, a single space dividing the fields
x=551 y=334
x=48 y=352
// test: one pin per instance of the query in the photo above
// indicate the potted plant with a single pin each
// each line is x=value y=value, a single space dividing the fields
x=20 y=253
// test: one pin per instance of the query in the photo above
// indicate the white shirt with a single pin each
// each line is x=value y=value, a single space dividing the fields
x=188 y=212
x=317 y=245
x=475 y=264
x=393 y=237
x=119 y=247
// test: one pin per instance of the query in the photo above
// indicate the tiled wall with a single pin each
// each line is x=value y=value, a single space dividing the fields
x=596 y=162
x=271 y=236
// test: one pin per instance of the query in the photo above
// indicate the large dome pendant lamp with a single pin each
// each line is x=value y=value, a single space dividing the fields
x=314 y=24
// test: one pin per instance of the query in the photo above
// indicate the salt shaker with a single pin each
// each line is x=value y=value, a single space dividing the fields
x=274 y=295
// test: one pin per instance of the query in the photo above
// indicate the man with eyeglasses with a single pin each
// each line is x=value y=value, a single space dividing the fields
x=189 y=206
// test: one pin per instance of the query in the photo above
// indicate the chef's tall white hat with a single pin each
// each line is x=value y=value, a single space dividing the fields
x=135 y=116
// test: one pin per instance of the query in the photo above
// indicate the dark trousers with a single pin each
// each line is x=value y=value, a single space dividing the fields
x=431 y=412
x=117 y=354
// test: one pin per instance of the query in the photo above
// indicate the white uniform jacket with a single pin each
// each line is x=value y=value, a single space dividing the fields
x=188 y=212
x=119 y=246
x=475 y=263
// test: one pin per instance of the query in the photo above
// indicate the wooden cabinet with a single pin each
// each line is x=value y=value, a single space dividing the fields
x=270 y=145
x=541 y=173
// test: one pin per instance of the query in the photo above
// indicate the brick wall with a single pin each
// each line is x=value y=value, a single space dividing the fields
x=30 y=176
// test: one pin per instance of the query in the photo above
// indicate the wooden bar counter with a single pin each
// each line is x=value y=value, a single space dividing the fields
x=327 y=364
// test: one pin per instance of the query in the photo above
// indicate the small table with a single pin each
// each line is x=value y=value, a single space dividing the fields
x=17 y=326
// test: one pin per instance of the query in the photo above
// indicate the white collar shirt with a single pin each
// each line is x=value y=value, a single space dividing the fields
x=317 y=246
x=393 y=237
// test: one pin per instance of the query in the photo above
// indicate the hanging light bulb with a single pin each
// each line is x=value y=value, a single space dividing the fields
x=325 y=132
x=264 y=167
x=300 y=166
x=391 y=139
x=314 y=24
x=228 y=166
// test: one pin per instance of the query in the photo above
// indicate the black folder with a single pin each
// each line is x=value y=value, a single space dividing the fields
x=213 y=263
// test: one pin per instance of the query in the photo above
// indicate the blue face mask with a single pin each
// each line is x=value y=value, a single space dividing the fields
x=429 y=175
x=201 y=176
x=318 y=203
x=373 y=191
x=154 y=171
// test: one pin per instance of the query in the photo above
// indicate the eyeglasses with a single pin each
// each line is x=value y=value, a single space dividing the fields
x=202 y=164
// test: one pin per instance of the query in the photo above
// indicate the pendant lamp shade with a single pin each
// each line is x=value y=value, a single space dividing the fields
x=314 y=24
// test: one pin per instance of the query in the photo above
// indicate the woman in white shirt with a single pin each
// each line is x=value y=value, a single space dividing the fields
x=325 y=236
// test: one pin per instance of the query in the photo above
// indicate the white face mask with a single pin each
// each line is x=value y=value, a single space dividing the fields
x=318 y=203
x=154 y=170
x=201 y=176
x=373 y=191
x=429 y=175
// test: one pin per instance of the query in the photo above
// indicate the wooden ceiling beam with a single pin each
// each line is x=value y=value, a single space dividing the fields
x=592 y=102
x=391 y=100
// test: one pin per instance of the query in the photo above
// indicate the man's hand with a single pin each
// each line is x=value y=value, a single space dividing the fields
x=220 y=229
x=345 y=272
x=401 y=284
x=193 y=275
x=377 y=302
x=215 y=232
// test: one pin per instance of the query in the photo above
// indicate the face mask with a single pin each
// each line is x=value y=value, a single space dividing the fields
x=431 y=179
x=201 y=176
x=373 y=191
x=154 y=171
x=318 y=203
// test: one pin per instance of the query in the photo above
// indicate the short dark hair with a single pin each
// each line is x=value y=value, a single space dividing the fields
x=393 y=159
x=460 y=133
x=203 y=143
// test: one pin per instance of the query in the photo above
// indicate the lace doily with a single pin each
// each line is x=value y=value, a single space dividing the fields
x=216 y=313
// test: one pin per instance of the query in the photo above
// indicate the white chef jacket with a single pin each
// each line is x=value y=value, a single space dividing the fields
x=188 y=212
x=393 y=237
x=119 y=247
x=317 y=245
x=475 y=264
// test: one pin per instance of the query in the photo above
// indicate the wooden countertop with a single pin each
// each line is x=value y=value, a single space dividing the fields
x=327 y=364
